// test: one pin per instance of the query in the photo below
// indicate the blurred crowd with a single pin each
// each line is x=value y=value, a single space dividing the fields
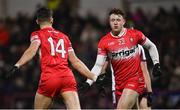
x=162 y=28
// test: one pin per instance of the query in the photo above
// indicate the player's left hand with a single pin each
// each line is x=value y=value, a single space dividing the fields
x=12 y=71
x=157 y=70
x=149 y=98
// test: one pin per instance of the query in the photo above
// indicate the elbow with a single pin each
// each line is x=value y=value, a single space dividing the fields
x=74 y=65
x=153 y=45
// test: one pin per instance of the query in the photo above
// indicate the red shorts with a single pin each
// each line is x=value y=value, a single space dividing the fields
x=54 y=86
x=135 y=83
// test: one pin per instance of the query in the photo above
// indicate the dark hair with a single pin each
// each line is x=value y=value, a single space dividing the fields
x=116 y=11
x=44 y=14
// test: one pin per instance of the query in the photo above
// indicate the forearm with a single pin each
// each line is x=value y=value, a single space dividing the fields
x=152 y=51
x=97 y=69
x=80 y=66
x=148 y=83
x=27 y=56
x=146 y=76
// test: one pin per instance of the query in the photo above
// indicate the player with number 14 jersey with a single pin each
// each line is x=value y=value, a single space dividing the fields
x=54 y=47
x=54 y=50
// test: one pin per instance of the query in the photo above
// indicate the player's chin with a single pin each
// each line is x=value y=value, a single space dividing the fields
x=116 y=30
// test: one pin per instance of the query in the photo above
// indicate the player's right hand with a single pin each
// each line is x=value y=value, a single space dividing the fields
x=149 y=98
x=12 y=71
x=83 y=87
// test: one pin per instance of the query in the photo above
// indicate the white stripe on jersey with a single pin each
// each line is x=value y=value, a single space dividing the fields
x=142 y=53
x=36 y=40
x=113 y=85
x=70 y=49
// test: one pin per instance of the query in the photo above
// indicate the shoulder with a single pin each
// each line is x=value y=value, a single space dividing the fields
x=105 y=37
x=35 y=36
x=38 y=32
x=62 y=34
x=35 y=33
x=136 y=34
x=135 y=31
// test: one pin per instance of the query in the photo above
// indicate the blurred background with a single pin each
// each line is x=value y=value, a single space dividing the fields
x=85 y=22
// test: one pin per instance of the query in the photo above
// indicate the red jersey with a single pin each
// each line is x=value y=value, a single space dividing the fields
x=54 y=47
x=123 y=52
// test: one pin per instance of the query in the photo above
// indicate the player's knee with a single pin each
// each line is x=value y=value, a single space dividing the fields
x=125 y=105
x=71 y=100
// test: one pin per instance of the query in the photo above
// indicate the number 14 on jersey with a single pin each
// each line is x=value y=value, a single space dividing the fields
x=55 y=48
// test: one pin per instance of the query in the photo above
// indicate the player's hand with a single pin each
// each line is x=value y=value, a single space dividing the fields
x=12 y=71
x=157 y=70
x=83 y=87
x=149 y=99
x=100 y=83
x=101 y=80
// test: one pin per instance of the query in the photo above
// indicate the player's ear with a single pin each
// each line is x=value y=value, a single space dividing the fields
x=51 y=20
x=37 y=21
x=124 y=21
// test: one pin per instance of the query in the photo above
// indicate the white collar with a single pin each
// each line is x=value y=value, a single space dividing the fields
x=124 y=30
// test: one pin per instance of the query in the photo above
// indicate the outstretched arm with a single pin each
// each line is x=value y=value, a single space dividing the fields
x=80 y=66
x=28 y=54
x=100 y=61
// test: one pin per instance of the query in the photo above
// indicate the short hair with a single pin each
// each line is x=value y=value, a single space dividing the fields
x=116 y=11
x=44 y=14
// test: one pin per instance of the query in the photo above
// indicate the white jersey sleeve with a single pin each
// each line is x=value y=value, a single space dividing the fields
x=152 y=50
x=100 y=60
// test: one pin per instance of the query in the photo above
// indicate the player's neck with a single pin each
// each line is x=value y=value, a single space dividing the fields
x=118 y=33
x=45 y=26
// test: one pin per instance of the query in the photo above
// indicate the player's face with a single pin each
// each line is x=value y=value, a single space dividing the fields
x=116 y=22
